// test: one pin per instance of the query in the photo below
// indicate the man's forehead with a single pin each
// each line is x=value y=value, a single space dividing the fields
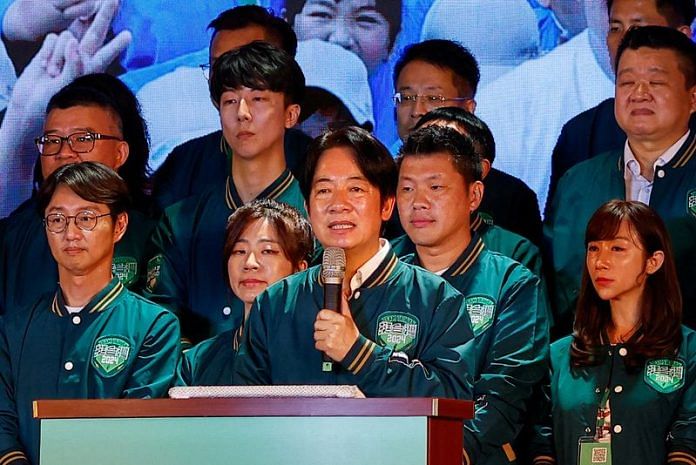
x=232 y=39
x=652 y=59
x=335 y=176
x=246 y=90
x=635 y=9
x=89 y=117
x=422 y=72
x=427 y=164
x=65 y=199
x=329 y=169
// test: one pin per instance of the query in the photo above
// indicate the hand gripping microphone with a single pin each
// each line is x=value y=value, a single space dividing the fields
x=333 y=269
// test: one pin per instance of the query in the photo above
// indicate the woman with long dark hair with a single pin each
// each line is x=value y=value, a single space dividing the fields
x=622 y=386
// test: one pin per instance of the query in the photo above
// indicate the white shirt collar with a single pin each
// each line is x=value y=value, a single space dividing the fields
x=72 y=310
x=370 y=266
x=632 y=165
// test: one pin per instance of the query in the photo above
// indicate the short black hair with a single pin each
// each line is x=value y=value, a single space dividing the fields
x=91 y=181
x=434 y=139
x=470 y=126
x=372 y=157
x=108 y=92
x=662 y=38
x=252 y=15
x=446 y=54
x=677 y=12
x=390 y=9
x=258 y=65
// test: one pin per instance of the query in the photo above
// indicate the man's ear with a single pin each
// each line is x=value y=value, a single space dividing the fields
x=692 y=96
x=387 y=208
x=686 y=30
x=470 y=106
x=475 y=195
x=292 y=115
x=120 y=226
x=485 y=168
x=122 y=152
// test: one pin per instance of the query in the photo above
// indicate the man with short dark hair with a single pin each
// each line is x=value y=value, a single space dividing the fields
x=196 y=164
x=655 y=98
x=438 y=73
x=94 y=118
x=496 y=238
x=90 y=338
x=256 y=89
x=596 y=131
x=439 y=187
x=401 y=331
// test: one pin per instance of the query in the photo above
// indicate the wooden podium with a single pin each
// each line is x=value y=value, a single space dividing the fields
x=252 y=431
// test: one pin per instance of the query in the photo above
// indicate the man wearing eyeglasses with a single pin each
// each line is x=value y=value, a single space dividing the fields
x=442 y=73
x=94 y=118
x=89 y=337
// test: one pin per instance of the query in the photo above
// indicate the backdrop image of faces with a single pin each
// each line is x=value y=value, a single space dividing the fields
x=520 y=46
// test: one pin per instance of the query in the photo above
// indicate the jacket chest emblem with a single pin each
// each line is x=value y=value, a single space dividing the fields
x=397 y=330
x=481 y=310
x=691 y=202
x=110 y=355
x=665 y=375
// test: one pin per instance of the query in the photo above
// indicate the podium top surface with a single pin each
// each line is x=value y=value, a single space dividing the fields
x=253 y=407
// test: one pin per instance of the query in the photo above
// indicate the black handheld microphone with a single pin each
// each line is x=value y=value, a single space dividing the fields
x=333 y=269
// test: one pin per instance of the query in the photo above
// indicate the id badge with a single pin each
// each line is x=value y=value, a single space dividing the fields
x=592 y=452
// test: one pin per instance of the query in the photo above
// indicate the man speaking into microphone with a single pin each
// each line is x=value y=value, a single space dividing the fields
x=398 y=330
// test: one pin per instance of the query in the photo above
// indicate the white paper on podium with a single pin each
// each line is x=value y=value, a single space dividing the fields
x=339 y=391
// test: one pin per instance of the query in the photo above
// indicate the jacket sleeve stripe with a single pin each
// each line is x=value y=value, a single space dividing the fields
x=465 y=458
x=360 y=354
x=371 y=348
x=681 y=457
x=544 y=460
x=12 y=457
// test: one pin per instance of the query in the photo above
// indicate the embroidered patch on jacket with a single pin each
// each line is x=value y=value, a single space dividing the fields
x=110 y=355
x=665 y=375
x=481 y=309
x=154 y=268
x=397 y=330
x=691 y=202
x=125 y=269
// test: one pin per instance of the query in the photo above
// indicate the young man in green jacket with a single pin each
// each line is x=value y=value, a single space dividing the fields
x=439 y=186
x=90 y=338
x=256 y=89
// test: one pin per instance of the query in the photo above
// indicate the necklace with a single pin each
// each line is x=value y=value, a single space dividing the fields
x=621 y=338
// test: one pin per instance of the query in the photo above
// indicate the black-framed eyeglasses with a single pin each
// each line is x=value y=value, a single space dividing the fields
x=85 y=220
x=206 y=70
x=430 y=101
x=79 y=142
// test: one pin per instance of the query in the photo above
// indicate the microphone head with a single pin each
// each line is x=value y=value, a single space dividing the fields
x=333 y=265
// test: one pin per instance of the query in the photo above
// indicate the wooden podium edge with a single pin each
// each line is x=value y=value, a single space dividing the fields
x=252 y=407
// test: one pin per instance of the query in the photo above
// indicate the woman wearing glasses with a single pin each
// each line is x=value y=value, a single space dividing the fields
x=94 y=118
x=623 y=386
x=265 y=241
x=89 y=337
